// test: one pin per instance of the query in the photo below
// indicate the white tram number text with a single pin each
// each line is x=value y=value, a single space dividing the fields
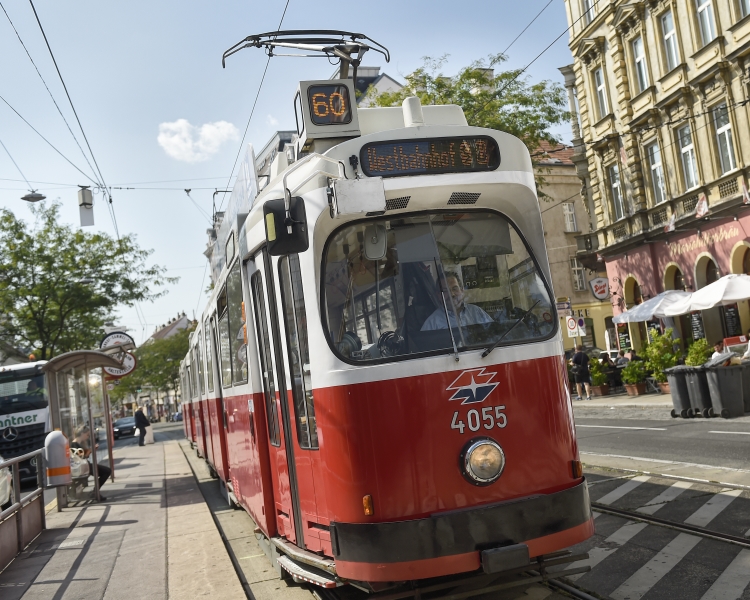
x=491 y=416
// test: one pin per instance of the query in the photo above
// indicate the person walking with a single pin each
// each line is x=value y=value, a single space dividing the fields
x=141 y=422
x=581 y=372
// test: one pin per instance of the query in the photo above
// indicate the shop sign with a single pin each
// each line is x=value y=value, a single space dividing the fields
x=129 y=363
x=623 y=336
x=600 y=288
x=732 y=320
x=696 y=325
x=703 y=240
x=701 y=208
x=117 y=338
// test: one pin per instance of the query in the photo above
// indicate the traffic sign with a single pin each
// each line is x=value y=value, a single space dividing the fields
x=576 y=328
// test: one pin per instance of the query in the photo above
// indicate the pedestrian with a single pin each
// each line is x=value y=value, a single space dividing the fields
x=622 y=360
x=718 y=349
x=82 y=440
x=141 y=422
x=606 y=360
x=581 y=372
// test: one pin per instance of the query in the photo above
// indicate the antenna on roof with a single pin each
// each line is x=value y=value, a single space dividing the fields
x=316 y=43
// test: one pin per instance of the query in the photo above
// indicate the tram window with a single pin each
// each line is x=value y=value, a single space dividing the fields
x=295 y=319
x=194 y=383
x=236 y=322
x=266 y=362
x=191 y=390
x=199 y=352
x=209 y=356
x=471 y=264
x=225 y=352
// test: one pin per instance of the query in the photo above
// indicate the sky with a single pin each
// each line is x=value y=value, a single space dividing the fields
x=162 y=116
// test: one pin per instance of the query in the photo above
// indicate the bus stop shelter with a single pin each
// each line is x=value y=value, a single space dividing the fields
x=78 y=396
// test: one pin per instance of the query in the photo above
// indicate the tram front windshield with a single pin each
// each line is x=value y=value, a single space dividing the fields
x=440 y=283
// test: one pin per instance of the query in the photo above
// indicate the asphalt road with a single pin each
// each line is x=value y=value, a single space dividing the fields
x=716 y=442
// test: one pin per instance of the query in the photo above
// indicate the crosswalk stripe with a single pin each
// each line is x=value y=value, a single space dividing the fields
x=651 y=573
x=711 y=509
x=732 y=582
x=666 y=496
x=596 y=555
x=625 y=488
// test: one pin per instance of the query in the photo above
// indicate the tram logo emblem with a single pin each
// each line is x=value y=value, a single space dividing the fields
x=473 y=386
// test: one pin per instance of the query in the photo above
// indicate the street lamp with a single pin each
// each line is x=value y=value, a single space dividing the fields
x=33 y=196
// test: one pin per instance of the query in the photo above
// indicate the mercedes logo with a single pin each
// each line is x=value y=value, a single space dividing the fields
x=10 y=434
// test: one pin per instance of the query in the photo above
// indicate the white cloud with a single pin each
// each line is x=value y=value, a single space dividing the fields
x=189 y=143
x=272 y=121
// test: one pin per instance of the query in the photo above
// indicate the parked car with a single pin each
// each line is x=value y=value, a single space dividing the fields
x=124 y=426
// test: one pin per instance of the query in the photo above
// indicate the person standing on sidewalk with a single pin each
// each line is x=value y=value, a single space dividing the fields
x=141 y=422
x=581 y=372
x=82 y=440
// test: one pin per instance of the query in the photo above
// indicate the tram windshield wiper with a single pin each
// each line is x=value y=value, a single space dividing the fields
x=502 y=337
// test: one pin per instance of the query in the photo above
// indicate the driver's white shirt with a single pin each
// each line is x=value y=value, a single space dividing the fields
x=470 y=315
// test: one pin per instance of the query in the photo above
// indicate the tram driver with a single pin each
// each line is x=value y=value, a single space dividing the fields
x=468 y=314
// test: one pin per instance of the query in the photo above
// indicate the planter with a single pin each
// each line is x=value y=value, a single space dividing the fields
x=664 y=387
x=635 y=389
x=600 y=390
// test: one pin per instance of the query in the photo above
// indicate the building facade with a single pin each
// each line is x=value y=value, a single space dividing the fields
x=659 y=90
x=565 y=218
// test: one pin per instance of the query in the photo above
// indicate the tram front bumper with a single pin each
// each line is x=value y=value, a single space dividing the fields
x=451 y=542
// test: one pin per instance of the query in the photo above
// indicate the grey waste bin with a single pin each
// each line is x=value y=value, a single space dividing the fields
x=725 y=386
x=700 y=396
x=677 y=378
x=746 y=384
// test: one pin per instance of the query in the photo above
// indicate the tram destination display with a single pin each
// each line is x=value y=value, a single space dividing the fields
x=329 y=104
x=430 y=156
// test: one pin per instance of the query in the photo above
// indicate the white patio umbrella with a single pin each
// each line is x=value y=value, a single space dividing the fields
x=726 y=290
x=653 y=307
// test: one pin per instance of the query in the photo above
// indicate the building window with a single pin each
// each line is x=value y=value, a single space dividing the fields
x=744 y=8
x=640 y=64
x=589 y=10
x=706 y=20
x=670 y=40
x=570 y=217
x=601 y=93
x=724 y=138
x=689 y=164
x=579 y=279
x=657 y=173
x=614 y=186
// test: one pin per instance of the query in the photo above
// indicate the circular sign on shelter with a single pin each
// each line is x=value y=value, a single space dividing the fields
x=129 y=363
x=117 y=338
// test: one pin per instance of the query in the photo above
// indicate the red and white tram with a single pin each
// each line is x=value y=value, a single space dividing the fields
x=378 y=378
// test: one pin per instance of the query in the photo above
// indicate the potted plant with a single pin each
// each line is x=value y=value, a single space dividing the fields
x=698 y=353
x=660 y=356
x=599 y=385
x=634 y=378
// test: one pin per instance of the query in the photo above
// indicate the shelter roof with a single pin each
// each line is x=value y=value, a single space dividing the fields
x=80 y=358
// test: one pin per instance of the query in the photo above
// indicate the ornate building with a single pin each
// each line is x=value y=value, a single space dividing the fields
x=659 y=90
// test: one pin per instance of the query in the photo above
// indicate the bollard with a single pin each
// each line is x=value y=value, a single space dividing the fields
x=57 y=459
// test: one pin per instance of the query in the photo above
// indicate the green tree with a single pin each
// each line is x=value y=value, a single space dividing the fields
x=59 y=284
x=505 y=100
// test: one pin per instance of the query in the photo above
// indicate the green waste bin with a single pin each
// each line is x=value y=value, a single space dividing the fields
x=725 y=386
x=677 y=378
x=700 y=395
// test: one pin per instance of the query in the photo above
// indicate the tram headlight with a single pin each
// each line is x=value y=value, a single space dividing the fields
x=482 y=461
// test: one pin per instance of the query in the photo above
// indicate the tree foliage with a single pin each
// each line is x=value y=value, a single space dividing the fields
x=505 y=100
x=59 y=285
x=158 y=366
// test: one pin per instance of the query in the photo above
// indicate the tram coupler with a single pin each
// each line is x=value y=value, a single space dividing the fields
x=497 y=560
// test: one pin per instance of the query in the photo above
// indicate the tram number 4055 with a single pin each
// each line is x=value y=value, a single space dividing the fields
x=491 y=417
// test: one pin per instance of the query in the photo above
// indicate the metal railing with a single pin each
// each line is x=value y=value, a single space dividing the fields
x=26 y=525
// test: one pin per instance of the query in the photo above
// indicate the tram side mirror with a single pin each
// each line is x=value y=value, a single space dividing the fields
x=285 y=236
x=375 y=242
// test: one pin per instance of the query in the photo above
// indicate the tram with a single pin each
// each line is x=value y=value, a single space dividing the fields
x=378 y=377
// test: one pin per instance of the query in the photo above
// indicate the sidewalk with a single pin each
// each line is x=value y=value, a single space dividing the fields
x=154 y=538
x=625 y=401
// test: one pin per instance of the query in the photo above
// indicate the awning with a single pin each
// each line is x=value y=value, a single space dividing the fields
x=654 y=307
x=726 y=290
x=80 y=358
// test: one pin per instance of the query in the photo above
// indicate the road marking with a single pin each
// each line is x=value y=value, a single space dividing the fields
x=666 y=496
x=732 y=432
x=711 y=509
x=617 y=427
x=596 y=555
x=620 y=491
x=651 y=573
x=666 y=462
x=733 y=581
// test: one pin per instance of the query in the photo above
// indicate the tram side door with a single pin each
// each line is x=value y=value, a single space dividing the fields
x=281 y=448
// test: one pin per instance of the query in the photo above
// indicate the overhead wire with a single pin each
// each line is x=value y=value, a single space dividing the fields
x=15 y=163
x=46 y=86
x=515 y=39
x=252 y=111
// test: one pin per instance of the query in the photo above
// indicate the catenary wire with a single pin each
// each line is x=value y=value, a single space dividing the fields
x=515 y=39
x=15 y=163
x=252 y=111
x=46 y=87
